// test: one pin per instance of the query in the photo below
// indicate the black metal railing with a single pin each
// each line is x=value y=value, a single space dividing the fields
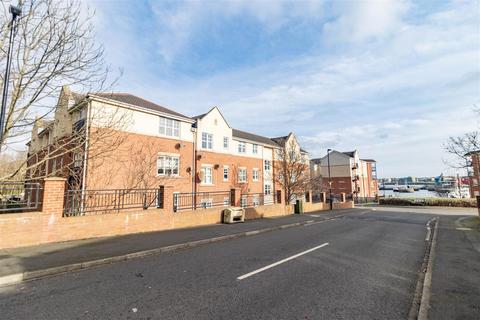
x=201 y=200
x=317 y=197
x=256 y=199
x=20 y=196
x=83 y=202
x=335 y=198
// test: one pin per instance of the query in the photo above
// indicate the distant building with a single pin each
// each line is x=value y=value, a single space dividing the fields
x=348 y=173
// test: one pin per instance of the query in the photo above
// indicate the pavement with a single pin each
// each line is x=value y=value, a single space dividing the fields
x=32 y=259
x=364 y=264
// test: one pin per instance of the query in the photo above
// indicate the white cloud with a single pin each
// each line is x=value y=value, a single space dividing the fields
x=368 y=19
x=396 y=98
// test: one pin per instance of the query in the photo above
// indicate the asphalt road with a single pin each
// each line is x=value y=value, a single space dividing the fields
x=363 y=266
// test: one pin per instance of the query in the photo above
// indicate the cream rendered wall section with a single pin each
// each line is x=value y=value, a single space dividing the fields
x=340 y=165
x=267 y=154
x=213 y=123
x=134 y=121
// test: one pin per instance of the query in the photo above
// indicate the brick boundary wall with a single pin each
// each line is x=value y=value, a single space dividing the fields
x=34 y=228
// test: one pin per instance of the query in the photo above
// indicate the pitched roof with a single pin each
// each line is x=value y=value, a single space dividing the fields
x=368 y=160
x=253 y=137
x=137 y=101
x=351 y=154
x=280 y=140
x=471 y=153
x=200 y=116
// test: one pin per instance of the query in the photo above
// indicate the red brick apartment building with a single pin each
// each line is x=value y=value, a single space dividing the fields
x=474 y=174
x=118 y=140
x=348 y=173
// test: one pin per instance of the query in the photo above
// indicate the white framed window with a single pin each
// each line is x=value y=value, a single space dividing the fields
x=255 y=174
x=255 y=201
x=242 y=175
x=242 y=147
x=169 y=127
x=226 y=201
x=268 y=189
x=77 y=160
x=207 y=140
x=225 y=173
x=168 y=165
x=206 y=203
x=243 y=202
x=225 y=142
x=268 y=165
x=254 y=148
x=207 y=175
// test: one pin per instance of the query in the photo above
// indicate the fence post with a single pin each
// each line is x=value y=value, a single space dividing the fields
x=168 y=198
x=53 y=196
x=343 y=196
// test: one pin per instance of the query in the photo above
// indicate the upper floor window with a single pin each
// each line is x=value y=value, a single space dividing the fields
x=242 y=147
x=169 y=127
x=254 y=148
x=207 y=140
x=168 y=165
x=225 y=142
x=268 y=165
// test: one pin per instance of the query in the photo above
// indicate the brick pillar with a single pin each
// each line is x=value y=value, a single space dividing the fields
x=324 y=197
x=343 y=196
x=279 y=196
x=235 y=195
x=168 y=198
x=53 y=196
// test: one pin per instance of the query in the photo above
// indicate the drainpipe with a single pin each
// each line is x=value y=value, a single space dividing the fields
x=194 y=165
x=85 y=156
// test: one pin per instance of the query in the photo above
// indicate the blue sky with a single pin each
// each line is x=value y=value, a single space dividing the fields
x=392 y=79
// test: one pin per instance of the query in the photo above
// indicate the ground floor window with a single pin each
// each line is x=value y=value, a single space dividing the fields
x=268 y=189
x=242 y=175
x=226 y=201
x=168 y=165
x=255 y=201
x=207 y=175
x=243 y=202
x=206 y=203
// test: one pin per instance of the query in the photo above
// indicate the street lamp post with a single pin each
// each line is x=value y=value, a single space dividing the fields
x=15 y=11
x=329 y=180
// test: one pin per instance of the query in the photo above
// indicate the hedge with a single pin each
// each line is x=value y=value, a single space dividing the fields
x=440 y=202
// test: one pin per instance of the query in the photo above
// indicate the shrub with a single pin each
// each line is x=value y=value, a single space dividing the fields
x=440 y=202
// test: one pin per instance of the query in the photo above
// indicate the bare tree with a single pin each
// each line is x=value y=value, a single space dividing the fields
x=462 y=145
x=54 y=46
x=292 y=171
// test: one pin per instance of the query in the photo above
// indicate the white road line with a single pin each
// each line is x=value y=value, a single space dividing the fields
x=281 y=261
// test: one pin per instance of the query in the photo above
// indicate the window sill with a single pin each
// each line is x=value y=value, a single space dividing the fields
x=207 y=184
x=168 y=176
